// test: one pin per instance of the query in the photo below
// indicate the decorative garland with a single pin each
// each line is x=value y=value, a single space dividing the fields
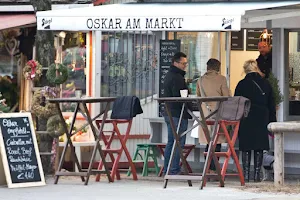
x=32 y=70
x=62 y=76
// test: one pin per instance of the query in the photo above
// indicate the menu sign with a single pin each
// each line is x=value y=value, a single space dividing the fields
x=237 y=40
x=167 y=48
x=253 y=38
x=19 y=152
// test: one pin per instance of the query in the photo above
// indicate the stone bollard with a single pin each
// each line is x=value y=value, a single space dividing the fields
x=279 y=128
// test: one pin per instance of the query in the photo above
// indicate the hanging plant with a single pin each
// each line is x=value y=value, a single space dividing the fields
x=57 y=78
x=32 y=70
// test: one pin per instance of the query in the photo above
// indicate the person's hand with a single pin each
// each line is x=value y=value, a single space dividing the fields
x=188 y=80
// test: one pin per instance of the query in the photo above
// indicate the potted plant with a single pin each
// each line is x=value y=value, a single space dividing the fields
x=278 y=97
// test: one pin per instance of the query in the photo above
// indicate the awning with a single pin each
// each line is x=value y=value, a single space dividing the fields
x=155 y=17
x=16 y=20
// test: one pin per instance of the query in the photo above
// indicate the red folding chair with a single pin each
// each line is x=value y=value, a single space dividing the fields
x=230 y=153
x=108 y=137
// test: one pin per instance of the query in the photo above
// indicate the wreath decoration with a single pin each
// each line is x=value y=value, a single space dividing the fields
x=62 y=76
x=41 y=108
x=32 y=70
x=54 y=126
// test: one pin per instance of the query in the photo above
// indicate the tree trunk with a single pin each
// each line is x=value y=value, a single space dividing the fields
x=44 y=40
x=45 y=51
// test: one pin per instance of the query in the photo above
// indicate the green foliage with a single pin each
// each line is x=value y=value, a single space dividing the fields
x=278 y=97
x=3 y=107
x=9 y=91
x=62 y=76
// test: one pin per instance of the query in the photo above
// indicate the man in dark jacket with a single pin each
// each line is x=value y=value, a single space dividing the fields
x=173 y=83
x=264 y=60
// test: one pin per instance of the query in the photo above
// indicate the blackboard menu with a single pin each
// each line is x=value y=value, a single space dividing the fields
x=19 y=145
x=167 y=50
x=253 y=38
x=237 y=40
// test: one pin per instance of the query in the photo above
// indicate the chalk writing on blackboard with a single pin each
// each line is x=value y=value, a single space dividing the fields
x=19 y=144
x=168 y=48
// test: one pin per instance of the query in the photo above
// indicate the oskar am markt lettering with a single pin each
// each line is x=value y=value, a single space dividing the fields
x=134 y=23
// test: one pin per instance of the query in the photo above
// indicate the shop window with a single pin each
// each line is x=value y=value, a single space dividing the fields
x=73 y=55
x=128 y=64
x=10 y=65
x=294 y=73
x=199 y=47
x=71 y=52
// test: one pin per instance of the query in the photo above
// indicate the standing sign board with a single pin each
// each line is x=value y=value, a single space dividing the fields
x=167 y=49
x=19 y=151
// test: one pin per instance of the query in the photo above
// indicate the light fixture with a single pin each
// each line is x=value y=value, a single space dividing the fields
x=265 y=37
x=62 y=34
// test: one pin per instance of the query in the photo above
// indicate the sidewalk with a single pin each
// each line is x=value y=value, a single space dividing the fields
x=71 y=188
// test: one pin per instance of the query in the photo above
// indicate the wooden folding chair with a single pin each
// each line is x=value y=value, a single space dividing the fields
x=230 y=153
x=108 y=137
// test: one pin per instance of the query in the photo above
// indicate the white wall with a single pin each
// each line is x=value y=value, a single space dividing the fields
x=237 y=60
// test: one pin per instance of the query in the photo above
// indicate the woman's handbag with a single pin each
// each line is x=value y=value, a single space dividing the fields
x=235 y=108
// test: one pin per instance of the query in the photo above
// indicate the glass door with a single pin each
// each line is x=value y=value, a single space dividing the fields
x=294 y=73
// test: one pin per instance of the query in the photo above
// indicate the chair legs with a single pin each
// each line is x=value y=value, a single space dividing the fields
x=149 y=152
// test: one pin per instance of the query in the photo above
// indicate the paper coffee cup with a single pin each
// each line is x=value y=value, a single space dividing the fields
x=78 y=93
x=184 y=93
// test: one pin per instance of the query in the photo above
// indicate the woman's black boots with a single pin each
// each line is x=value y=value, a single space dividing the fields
x=246 y=159
x=258 y=158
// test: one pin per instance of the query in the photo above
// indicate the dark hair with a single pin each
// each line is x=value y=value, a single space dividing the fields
x=213 y=64
x=177 y=56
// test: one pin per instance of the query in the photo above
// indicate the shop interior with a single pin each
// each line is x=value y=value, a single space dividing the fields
x=200 y=46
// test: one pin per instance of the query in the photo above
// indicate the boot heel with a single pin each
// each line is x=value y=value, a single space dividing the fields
x=258 y=158
x=246 y=160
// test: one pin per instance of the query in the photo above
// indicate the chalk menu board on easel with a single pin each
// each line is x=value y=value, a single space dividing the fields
x=19 y=151
x=167 y=49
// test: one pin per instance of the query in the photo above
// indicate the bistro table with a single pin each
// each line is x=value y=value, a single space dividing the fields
x=81 y=106
x=202 y=122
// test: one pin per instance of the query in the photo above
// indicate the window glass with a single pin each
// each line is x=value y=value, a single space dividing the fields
x=294 y=73
x=9 y=67
x=128 y=64
x=199 y=47
x=73 y=55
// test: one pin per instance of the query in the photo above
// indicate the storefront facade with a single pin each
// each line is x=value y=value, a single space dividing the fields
x=128 y=60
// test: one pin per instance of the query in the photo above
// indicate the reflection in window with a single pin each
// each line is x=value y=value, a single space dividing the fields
x=199 y=47
x=9 y=67
x=73 y=56
x=294 y=73
x=128 y=64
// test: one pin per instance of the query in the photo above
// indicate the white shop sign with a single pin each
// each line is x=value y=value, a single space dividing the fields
x=186 y=23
